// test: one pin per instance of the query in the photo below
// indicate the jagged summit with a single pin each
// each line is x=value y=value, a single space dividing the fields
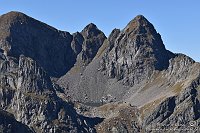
x=90 y=26
x=140 y=25
x=13 y=15
x=140 y=19
x=143 y=42
x=91 y=30
x=94 y=38
x=15 y=18
x=148 y=41
x=143 y=32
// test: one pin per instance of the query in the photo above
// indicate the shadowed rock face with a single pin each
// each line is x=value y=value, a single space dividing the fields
x=10 y=125
x=127 y=82
x=21 y=34
x=77 y=42
x=94 y=38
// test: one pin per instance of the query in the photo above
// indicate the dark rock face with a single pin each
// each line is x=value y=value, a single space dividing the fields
x=87 y=43
x=28 y=93
x=77 y=42
x=51 y=48
x=8 y=124
x=127 y=82
x=94 y=38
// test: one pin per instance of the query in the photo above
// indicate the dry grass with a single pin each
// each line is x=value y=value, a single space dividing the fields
x=35 y=96
x=102 y=49
x=177 y=87
x=75 y=69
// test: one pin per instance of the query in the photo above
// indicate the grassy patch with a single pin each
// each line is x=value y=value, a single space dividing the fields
x=177 y=87
x=102 y=49
x=36 y=96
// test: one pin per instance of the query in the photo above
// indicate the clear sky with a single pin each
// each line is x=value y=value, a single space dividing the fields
x=178 y=21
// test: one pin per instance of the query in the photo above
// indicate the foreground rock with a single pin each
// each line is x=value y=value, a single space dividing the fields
x=10 y=125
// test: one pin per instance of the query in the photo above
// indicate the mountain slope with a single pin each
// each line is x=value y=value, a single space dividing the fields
x=126 y=59
x=133 y=67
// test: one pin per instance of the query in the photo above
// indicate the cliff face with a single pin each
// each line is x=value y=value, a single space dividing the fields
x=52 y=81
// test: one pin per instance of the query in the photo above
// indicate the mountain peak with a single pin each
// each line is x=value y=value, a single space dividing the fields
x=139 y=17
x=91 y=30
x=91 y=26
x=94 y=38
x=12 y=16
x=140 y=25
x=15 y=13
x=139 y=20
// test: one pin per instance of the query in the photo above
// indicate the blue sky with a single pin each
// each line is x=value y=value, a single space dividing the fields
x=178 y=21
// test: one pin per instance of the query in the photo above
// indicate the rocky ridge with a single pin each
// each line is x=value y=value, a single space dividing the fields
x=52 y=81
